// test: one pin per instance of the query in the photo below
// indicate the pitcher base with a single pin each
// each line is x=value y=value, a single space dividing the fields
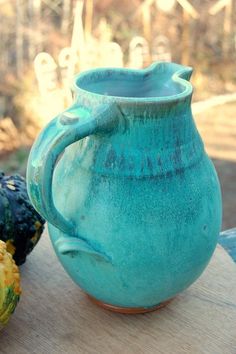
x=127 y=310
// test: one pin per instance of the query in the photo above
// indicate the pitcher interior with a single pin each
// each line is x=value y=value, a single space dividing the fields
x=130 y=83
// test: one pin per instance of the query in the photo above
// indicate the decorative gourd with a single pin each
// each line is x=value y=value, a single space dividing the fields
x=20 y=225
x=9 y=284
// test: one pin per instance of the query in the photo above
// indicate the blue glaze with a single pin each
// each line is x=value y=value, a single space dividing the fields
x=134 y=203
x=227 y=239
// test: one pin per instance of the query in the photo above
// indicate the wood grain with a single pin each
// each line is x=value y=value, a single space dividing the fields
x=55 y=317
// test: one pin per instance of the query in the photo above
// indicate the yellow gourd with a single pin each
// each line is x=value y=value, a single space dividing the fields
x=9 y=284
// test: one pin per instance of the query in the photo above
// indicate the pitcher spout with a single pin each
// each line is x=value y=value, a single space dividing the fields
x=184 y=72
x=173 y=79
x=173 y=70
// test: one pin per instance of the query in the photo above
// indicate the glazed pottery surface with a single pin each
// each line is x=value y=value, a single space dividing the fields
x=132 y=201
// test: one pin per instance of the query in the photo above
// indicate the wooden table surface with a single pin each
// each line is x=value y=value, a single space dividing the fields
x=55 y=317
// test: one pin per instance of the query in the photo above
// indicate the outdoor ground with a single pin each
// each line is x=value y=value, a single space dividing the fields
x=217 y=127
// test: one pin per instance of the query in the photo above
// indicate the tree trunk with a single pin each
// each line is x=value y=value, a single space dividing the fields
x=185 y=38
x=227 y=39
x=66 y=11
x=19 y=37
x=34 y=9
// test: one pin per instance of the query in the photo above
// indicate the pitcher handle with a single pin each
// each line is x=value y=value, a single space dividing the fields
x=61 y=132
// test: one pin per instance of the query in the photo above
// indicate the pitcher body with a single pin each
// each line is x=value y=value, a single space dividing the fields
x=132 y=200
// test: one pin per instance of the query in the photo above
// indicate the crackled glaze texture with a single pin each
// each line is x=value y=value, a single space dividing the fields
x=134 y=210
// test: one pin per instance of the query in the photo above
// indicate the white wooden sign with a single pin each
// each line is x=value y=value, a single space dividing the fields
x=138 y=52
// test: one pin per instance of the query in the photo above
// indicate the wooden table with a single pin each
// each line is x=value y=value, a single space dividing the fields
x=55 y=317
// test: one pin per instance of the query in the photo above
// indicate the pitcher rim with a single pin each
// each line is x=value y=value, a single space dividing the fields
x=181 y=75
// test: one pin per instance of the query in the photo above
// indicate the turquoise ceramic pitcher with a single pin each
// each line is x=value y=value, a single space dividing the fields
x=132 y=201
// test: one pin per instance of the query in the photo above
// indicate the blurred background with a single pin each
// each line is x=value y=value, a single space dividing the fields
x=45 y=42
